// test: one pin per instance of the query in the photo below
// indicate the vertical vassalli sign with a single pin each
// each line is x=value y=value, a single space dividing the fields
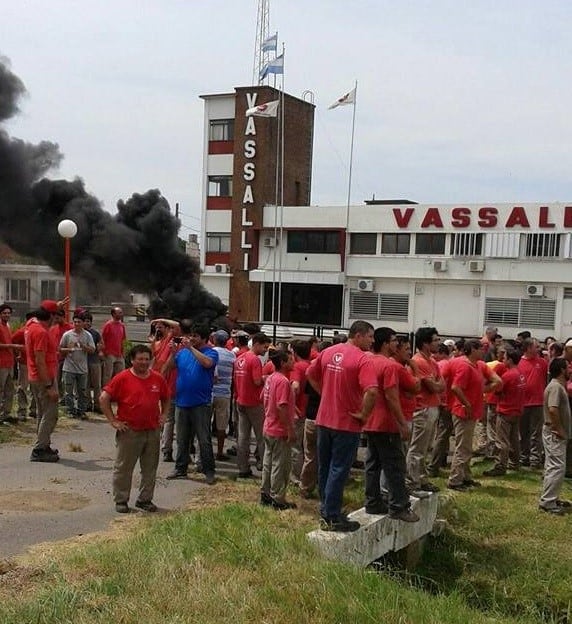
x=248 y=175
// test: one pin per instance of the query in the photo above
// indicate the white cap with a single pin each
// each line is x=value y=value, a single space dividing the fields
x=569 y=343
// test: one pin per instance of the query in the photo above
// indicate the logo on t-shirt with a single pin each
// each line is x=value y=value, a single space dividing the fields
x=154 y=388
x=337 y=358
x=240 y=363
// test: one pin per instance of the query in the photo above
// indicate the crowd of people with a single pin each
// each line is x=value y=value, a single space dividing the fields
x=307 y=404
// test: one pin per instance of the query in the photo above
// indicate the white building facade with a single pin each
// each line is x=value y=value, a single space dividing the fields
x=456 y=267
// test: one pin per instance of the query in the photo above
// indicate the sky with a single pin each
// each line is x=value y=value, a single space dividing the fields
x=457 y=102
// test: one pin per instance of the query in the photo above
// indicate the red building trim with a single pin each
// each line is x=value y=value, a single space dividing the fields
x=221 y=147
x=217 y=257
x=219 y=203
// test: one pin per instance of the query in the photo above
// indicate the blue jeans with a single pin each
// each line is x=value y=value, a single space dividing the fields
x=336 y=452
x=191 y=422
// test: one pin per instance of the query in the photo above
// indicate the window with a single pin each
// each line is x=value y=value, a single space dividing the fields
x=379 y=306
x=220 y=186
x=535 y=313
x=318 y=241
x=52 y=289
x=17 y=290
x=542 y=245
x=466 y=244
x=395 y=243
x=218 y=242
x=221 y=130
x=567 y=292
x=431 y=244
x=363 y=243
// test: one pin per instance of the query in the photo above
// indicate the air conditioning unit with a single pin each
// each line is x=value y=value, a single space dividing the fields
x=221 y=268
x=365 y=285
x=476 y=266
x=440 y=265
x=535 y=290
x=269 y=241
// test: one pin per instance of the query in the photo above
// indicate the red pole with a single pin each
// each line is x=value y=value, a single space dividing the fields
x=67 y=274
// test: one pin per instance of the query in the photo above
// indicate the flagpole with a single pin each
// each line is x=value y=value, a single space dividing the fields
x=347 y=235
x=281 y=189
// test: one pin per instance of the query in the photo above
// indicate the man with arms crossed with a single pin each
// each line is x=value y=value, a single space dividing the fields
x=142 y=399
x=345 y=377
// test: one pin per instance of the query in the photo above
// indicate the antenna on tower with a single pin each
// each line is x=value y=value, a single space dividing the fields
x=261 y=56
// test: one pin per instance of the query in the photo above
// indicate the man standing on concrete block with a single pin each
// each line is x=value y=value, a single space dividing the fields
x=345 y=377
x=387 y=430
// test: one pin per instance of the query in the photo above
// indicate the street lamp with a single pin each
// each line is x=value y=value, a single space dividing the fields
x=67 y=229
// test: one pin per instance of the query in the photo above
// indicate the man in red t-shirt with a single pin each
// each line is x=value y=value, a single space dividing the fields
x=509 y=407
x=471 y=379
x=426 y=409
x=535 y=370
x=301 y=350
x=143 y=402
x=387 y=429
x=26 y=403
x=345 y=377
x=6 y=364
x=113 y=336
x=248 y=382
x=42 y=357
x=279 y=433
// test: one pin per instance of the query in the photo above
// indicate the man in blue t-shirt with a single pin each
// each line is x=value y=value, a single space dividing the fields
x=195 y=363
x=221 y=389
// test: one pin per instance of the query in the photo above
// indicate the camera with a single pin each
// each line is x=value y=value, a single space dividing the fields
x=177 y=340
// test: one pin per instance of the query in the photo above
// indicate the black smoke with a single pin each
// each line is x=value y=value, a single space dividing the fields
x=138 y=247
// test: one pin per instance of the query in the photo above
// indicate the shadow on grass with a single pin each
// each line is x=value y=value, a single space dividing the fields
x=476 y=571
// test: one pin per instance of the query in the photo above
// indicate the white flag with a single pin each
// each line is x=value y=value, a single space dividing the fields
x=348 y=98
x=270 y=109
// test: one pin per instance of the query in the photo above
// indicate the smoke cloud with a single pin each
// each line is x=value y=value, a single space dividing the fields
x=137 y=247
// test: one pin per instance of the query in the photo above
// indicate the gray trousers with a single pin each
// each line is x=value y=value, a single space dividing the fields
x=112 y=365
x=6 y=392
x=531 y=437
x=309 y=474
x=507 y=451
x=422 y=433
x=249 y=418
x=463 y=430
x=47 y=415
x=298 y=450
x=22 y=394
x=168 y=432
x=276 y=467
x=554 y=467
x=94 y=384
x=130 y=447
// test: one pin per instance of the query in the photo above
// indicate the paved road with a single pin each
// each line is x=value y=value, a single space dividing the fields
x=46 y=502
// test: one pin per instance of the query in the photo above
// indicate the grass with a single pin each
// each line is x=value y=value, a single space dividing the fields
x=499 y=561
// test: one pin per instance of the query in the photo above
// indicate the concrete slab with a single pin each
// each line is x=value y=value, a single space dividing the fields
x=377 y=535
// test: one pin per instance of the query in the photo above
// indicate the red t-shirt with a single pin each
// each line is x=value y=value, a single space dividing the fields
x=511 y=397
x=298 y=373
x=6 y=355
x=471 y=379
x=56 y=332
x=18 y=338
x=426 y=368
x=247 y=371
x=535 y=371
x=38 y=338
x=407 y=382
x=345 y=372
x=381 y=419
x=138 y=399
x=277 y=391
x=113 y=335
x=499 y=369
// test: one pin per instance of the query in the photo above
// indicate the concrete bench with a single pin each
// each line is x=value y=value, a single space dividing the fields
x=377 y=535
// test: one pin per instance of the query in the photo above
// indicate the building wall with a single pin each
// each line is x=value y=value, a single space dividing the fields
x=459 y=290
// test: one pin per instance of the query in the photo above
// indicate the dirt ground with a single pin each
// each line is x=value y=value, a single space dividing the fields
x=42 y=502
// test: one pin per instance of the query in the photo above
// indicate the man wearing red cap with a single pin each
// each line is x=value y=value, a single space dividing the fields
x=41 y=352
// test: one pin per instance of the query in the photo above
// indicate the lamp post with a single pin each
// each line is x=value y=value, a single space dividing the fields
x=67 y=229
